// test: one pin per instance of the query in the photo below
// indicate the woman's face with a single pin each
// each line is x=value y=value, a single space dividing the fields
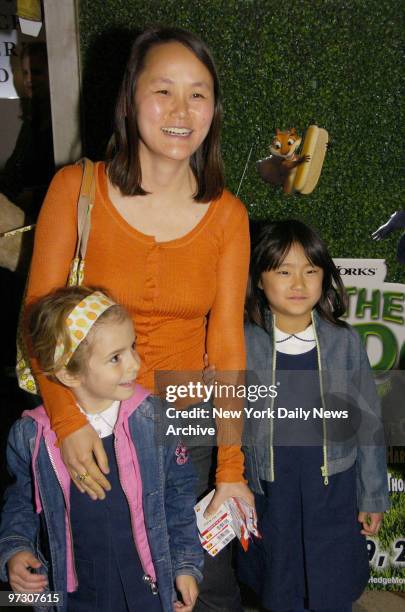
x=174 y=102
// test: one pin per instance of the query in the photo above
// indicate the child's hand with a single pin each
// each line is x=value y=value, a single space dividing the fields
x=208 y=372
x=371 y=522
x=20 y=577
x=187 y=585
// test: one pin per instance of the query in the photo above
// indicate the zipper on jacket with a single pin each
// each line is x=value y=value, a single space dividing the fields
x=66 y=504
x=324 y=467
x=273 y=382
x=146 y=577
x=153 y=586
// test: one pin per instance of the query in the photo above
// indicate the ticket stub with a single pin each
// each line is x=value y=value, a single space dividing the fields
x=234 y=518
x=216 y=531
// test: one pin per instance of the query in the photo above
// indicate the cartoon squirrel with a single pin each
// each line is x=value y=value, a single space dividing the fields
x=280 y=167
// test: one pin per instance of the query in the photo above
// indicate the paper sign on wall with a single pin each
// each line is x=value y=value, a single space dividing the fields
x=8 y=42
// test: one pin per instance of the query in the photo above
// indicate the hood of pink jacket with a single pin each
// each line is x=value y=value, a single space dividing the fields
x=129 y=473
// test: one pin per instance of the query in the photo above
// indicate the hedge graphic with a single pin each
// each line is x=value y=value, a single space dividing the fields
x=377 y=311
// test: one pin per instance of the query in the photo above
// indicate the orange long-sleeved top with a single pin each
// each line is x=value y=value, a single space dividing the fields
x=168 y=288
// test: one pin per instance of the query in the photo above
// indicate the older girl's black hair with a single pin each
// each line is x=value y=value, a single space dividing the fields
x=269 y=250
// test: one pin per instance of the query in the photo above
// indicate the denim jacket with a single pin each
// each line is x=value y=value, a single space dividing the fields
x=344 y=372
x=35 y=515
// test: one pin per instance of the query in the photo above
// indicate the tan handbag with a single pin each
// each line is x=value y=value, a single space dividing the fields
x=85 y=204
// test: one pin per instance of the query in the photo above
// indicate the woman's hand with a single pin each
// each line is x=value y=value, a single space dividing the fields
x=20 y=578
x=225 y=490
x=371 y=522
x=209 y=372
x=79 y=450
x=187 y=587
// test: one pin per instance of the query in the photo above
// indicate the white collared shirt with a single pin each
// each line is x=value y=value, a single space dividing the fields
x=103 y=422
x=295 y=344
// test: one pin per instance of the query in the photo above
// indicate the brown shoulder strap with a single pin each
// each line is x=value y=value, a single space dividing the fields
x=84 y=205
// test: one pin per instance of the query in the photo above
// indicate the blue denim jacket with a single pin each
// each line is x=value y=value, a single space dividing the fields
x=168 y=499
x=344 y=372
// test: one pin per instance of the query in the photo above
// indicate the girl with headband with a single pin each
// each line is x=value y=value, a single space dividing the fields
x=129 y=551
x=171 y=245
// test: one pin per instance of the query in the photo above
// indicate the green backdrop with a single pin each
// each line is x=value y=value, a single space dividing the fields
x=336 y=63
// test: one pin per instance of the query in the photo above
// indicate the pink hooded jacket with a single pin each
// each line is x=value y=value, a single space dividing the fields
x=129 y=473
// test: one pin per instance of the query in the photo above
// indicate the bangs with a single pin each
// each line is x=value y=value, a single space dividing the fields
x=277 y=250
x=277 y=254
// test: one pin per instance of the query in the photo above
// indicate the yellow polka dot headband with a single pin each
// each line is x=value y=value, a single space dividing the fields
x=80 y=321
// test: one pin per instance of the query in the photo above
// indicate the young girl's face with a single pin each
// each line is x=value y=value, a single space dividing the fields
x=174 y=103
x=293 y=289
x=112 y=367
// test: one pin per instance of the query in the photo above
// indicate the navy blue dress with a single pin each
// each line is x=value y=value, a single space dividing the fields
x=108 y=567
x=312 y=551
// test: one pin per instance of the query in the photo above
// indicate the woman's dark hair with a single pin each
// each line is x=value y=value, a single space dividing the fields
x=271 y=247
x=124 y=169
x=35 y=49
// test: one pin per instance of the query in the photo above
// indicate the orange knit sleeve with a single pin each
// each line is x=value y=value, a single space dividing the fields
x=225 y=336
x=54 y=247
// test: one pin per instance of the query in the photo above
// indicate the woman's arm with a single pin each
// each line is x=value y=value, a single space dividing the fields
x=226 y=348
x=54 y=248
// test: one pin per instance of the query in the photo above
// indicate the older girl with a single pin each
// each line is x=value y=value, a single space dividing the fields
x=319 y=475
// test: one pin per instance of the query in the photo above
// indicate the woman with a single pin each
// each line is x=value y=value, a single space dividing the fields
x=168 y=243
